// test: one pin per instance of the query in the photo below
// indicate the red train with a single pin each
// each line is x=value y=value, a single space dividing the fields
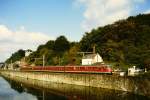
x=72 y=69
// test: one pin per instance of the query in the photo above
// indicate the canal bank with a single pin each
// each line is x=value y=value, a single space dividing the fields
x=47 y=90
x=137 y=85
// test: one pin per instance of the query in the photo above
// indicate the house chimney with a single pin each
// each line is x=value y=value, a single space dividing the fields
x=94 y=49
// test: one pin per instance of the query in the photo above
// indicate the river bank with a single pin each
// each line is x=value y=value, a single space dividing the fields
x=137 y=85
x=48 y=90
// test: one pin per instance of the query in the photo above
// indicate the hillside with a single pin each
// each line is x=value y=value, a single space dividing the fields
x=122 y=44
x=126 y=42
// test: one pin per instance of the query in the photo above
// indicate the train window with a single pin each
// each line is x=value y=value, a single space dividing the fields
x=78 y=68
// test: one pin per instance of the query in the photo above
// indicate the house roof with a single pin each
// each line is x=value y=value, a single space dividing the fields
x=89 y=56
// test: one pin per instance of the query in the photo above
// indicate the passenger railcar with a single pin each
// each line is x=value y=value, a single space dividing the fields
x=71 y=69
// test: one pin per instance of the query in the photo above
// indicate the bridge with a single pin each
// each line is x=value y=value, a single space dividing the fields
x=1 y=64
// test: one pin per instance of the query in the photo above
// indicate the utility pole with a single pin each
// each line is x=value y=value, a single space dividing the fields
x=43 y=95
x=83 y=53
x=94 y=49
x=11 y=64
x=43 y=60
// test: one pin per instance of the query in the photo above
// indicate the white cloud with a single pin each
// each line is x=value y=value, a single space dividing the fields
x=10 y=41
x=103 y=12
x=147 y=11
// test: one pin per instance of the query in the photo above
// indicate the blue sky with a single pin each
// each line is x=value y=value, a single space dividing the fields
x=48 y=16
x=27 y=23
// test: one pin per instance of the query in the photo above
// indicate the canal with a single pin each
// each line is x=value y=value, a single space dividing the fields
x=21 y=90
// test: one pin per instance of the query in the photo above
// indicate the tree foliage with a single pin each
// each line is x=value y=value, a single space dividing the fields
x=126 y=41
x=16 y=56
x=54 y=51
x=61 y=45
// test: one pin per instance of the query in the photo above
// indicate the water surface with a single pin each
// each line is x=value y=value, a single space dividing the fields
x=21 y=90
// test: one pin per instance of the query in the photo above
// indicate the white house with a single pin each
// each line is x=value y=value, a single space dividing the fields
x=133 y=71
x=91 y=59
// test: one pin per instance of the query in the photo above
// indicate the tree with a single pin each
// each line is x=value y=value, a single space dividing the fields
x=50 y=44
x=71 y=57
x=147 y=63
x=16 y=56
x=61 y=45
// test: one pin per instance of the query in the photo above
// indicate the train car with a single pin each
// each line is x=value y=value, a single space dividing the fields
x=71 y=69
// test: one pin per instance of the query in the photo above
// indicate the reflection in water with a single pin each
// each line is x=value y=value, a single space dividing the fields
x=40 y=93
x=6 y=93
x=39 y=90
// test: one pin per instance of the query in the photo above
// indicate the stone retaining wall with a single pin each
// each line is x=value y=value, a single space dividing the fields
x=130 y=84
